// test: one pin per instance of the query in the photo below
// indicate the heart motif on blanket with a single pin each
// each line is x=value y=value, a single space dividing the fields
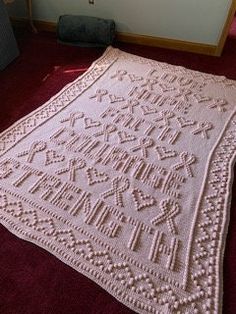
x=142 y=200
x=96 y=177
x=201 y=98
x=114 y=98
x=184 y=122
x=42 y=114
x=29 y=217
x=135 y=78
x=45 y=225
x=83 y=247
x=89 y=123
x=53 y=157
x=15 y=208
x=166 y=87
x=65 y=236
x=52 y=108
x=125 y=137
x=164 y=153
x=20 y=130
x=148 y=110
x=30 y=122
x=10 y=137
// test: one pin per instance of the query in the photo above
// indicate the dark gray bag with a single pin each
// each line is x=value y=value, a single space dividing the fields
x=85 y=31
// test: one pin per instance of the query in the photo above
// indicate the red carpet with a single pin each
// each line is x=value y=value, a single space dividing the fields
x=232 y=31
x=31 y=280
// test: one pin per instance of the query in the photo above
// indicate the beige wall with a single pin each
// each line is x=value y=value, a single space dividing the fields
x=198 y=21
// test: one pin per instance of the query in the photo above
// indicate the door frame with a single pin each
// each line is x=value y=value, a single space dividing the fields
x=226 y=29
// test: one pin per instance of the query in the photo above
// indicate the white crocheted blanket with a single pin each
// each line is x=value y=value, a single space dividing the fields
x=125 y=175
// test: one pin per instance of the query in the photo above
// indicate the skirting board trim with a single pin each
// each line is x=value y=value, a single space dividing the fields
x=167 y=43
x=136 y=39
